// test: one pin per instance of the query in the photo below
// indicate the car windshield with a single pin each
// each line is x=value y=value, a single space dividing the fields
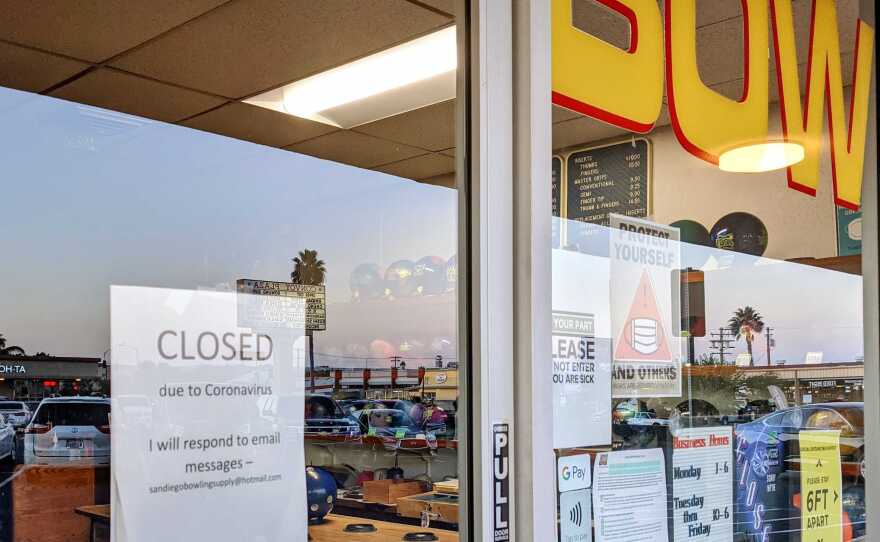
x=389 y=418
x=70 y=414
x=6 y=405
x=848 y=421
x=321 y=408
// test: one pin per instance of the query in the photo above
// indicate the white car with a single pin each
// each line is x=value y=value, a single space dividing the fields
x=646 y=418
x=7 y=439
x=69 y=430
x=16 y=412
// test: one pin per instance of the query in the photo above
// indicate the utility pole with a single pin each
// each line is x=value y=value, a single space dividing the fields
x=394 y=361
x=722 y=343
x=768 y=334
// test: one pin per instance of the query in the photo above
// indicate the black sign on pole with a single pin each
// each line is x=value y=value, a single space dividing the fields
x=501 y=482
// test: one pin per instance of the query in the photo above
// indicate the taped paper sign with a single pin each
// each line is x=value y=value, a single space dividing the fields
x=581 y=351
x=195 y=425
x=645 y=260
x=821 y=506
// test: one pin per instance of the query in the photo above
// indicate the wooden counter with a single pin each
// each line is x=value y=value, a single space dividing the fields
x=332 y=530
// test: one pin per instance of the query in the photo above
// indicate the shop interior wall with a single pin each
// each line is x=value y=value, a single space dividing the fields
x=686 y=187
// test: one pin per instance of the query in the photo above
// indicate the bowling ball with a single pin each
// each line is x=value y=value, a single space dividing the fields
x=366 y=282
x=400 y=279
x=452 y=273
x=740 y=232
x=692 y=232
x=320 y=493
x=430 y=273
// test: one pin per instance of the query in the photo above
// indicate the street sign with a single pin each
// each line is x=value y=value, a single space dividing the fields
x=268 y=306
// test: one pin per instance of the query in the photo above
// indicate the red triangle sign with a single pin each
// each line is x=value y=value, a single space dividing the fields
x=642 y=337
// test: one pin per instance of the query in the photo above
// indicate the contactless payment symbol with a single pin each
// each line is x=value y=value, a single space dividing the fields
x=642 y=337
x=575 y=524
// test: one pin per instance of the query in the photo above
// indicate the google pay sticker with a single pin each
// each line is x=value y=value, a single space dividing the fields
x=573 y=472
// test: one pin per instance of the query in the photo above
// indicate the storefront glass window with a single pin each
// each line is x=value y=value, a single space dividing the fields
x=708 y=351
x=231 y=273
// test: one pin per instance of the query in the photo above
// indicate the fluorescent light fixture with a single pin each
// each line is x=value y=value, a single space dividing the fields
x=409 y=76
x=760 y=157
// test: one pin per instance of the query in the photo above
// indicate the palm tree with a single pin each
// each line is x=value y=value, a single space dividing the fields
x=745 y=323
x=308 y=269
x=9 y=350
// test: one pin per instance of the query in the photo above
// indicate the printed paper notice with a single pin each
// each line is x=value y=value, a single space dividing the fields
x=581 y=351
x=645 y=259
x=206 y=421
x=702 y=481
x=629 y=496
x=821 y=508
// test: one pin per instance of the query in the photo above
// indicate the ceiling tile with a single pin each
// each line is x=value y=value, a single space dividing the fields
x=355 y=149
x=602 y=22
x=733 y=89
x=584 y=131
x=446 y=6
x=244 y=48
x=420 y=167
x=447 y=180
x=714 y=11
x=26 y=69
x=94 y=30
x=847 y=15
x=720 y=51
x=431 y=128
x=561 y=114
x=581 y=131
x=112 y=89
x=257 y=124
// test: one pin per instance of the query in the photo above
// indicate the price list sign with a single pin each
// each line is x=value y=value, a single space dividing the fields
x=608 y=179
x=556 y=196
x=702 y=482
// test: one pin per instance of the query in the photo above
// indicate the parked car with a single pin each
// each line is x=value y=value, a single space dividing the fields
x=768 y=465
x=436 y=416
x=69 y=430
x=16 y=412
x=7 y=439
x=394 y=430
x=646 y=418
x=754 y=409
x=325 y=418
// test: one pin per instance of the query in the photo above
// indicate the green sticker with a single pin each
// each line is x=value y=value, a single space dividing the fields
x=371 y=432
x=400 y=433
